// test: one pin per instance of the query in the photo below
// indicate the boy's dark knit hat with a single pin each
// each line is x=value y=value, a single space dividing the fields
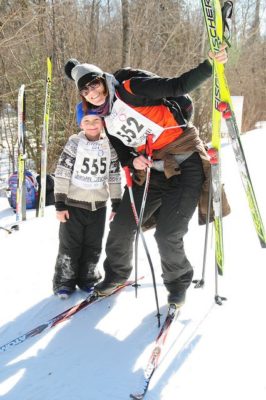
x=82 y=73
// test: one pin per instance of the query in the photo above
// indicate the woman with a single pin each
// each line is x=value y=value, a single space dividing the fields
x=131 y=109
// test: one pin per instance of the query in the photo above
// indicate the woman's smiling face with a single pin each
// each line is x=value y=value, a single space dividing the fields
x=94 y=92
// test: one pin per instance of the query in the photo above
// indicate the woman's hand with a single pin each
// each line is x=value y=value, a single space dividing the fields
x=141 y=162
x=221 y=56
x=112 y=215
x=62 y=216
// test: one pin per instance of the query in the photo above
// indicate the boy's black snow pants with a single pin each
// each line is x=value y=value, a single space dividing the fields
x=80 y=245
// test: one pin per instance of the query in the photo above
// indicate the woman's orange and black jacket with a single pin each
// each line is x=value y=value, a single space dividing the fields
x=147 y=96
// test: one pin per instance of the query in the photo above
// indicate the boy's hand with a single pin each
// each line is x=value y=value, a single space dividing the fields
x=62 y=216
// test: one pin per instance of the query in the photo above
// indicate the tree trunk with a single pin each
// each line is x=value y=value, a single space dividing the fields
x=126 y=34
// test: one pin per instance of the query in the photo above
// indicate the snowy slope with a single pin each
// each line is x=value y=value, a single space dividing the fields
x=211 y=352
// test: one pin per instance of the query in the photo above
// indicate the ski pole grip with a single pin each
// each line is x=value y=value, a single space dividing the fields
x=128 y=176
x=149 y=145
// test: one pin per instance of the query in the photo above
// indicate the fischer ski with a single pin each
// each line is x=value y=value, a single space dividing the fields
x=21 y=184
x=214 y=155
x=42 y=188
x=65 y=315
x=173 y=312
x=232 y=127
x=214 y=26
x=218 y=28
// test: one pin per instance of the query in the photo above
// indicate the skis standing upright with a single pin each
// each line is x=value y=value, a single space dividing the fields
x=215 y=33
x=44 y=142
x=223 y=103
x=21 y=184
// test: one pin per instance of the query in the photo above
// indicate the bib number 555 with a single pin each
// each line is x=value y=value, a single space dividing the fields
x=94 y=166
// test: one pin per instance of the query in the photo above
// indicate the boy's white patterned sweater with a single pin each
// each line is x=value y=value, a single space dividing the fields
x=87 y=174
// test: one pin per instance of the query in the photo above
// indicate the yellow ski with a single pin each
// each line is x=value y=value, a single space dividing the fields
x=222 y=103
x=42 y=188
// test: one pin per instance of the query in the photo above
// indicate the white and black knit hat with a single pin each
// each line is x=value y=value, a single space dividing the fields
x=82 y=73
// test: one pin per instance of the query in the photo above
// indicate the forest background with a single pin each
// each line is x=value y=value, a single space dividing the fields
x=164 y=36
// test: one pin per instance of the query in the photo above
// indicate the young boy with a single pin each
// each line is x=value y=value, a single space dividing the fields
x=87 y=172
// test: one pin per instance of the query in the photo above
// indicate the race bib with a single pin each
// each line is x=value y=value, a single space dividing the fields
x=92 y=164
x=130 y=126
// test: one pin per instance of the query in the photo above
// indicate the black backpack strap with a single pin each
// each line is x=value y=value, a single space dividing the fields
x=136 y=101
x=181 y=108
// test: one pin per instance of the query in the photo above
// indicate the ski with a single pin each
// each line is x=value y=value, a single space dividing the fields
x=232 y=127
x=21 y=184
x=214 y=155
x=44 y=142
x=65 y=315
x=173 y=312
x=214 y=26
x=214 y=17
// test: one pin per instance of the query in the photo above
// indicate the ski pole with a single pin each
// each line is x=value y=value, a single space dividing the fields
x=6 y=229
x=227 y=11
x=200 y=282
x=135 y=213
x=10 y=228
x=148 y=151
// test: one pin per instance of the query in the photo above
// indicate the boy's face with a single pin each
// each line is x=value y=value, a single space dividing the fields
x=92 y=126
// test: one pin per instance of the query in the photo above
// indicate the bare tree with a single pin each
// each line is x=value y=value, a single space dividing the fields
x=126 y=33
x=164 y=36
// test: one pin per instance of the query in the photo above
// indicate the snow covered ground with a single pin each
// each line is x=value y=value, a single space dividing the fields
x=211 y=352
